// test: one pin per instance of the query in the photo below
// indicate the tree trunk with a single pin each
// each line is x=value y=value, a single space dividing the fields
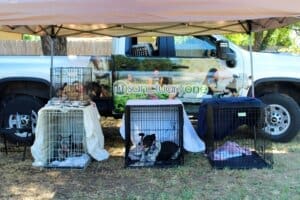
x=262 y=39
x=266 y=39
x=258 y=38
x=59 y=44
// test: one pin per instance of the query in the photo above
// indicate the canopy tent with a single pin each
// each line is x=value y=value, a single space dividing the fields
x=118 y=18
x=143 y=17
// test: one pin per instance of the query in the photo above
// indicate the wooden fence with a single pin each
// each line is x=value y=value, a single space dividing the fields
x=77 y=47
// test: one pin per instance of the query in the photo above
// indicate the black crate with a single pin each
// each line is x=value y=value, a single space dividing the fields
x=165 y=122
x=232 y=130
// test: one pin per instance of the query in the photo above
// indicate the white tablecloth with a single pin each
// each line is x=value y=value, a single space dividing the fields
x=191 y=140
x=93 y=133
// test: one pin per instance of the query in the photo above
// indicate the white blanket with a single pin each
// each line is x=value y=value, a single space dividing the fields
x=191 y=140
x=93 y=133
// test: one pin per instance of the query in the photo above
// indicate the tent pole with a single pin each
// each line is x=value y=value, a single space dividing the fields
x=251 y=57
x=51 y=66
x=251 y=64
x=51 y=60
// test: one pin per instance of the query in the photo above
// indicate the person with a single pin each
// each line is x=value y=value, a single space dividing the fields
x=232 y=87
x=96 y=63
x=163 y=81
x=104 y=91
x=155 y=78
x=129 y=78
x=211 y=80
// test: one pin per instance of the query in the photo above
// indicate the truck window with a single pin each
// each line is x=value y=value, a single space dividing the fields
x=190 y=46
x=147 y=40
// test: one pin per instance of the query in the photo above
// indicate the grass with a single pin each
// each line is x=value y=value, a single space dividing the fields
x=110 y=180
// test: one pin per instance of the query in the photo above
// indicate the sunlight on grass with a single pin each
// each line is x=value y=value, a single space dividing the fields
x=279 y=151
x=31 y=191
x=116 y=151
x=54 y=174
x=292 y=146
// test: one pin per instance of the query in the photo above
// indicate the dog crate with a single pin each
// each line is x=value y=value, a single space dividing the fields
x=144 y=49
x=232 y=130
x=71 y=83
x=64 y=138
x=153 y=133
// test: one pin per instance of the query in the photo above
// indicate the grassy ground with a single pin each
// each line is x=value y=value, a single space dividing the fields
x=110 y=180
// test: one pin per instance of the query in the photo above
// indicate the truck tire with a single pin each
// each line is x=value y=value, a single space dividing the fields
x=282 y=117
x=20 y=112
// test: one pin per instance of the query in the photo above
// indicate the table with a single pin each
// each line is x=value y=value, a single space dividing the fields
x=191 y=141
x=93 y=132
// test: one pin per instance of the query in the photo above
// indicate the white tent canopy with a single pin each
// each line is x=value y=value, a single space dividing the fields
x=143 y=17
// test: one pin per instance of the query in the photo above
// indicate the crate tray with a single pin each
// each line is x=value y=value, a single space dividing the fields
x=242 y=162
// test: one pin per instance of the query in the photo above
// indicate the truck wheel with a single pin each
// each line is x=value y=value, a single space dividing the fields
x=282 y=117
x=21 y=112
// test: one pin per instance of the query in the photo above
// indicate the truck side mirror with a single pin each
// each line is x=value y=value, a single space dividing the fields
x=224 y=53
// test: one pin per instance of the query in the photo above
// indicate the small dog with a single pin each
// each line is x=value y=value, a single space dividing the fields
x=153 y=151
x=93 y=90
x=67 y=147
x=150 y=150
x=162 y=150
x=64 y=146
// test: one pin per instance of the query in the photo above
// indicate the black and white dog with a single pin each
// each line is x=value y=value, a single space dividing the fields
x=153 y=151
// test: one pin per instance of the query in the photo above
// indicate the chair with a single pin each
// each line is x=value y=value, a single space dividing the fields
x=6 y=132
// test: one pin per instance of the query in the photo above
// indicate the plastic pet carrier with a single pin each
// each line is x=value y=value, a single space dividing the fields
x=153 y=133
x=232 y=130
x=65 y=138
x=144 y=49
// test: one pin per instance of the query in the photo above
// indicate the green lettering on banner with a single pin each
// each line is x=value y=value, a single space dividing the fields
x=188 y=89
x=122 y=87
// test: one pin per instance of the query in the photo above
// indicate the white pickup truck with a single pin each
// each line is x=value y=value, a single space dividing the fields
x=186 y=67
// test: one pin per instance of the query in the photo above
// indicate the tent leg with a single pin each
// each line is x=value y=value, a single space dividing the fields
x=251 y=65
x=51 y=66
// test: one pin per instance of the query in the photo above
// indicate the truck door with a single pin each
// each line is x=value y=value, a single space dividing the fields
x=197 y=71
x=167 y=67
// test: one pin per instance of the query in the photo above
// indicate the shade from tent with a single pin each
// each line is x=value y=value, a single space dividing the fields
x=143 y=17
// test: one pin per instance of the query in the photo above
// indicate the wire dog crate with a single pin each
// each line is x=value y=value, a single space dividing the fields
x=71 y=83
x=65 y=141
x=232 y=131
x=153 y=134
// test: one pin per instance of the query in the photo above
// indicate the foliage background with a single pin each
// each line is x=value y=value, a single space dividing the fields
x=284 y=39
